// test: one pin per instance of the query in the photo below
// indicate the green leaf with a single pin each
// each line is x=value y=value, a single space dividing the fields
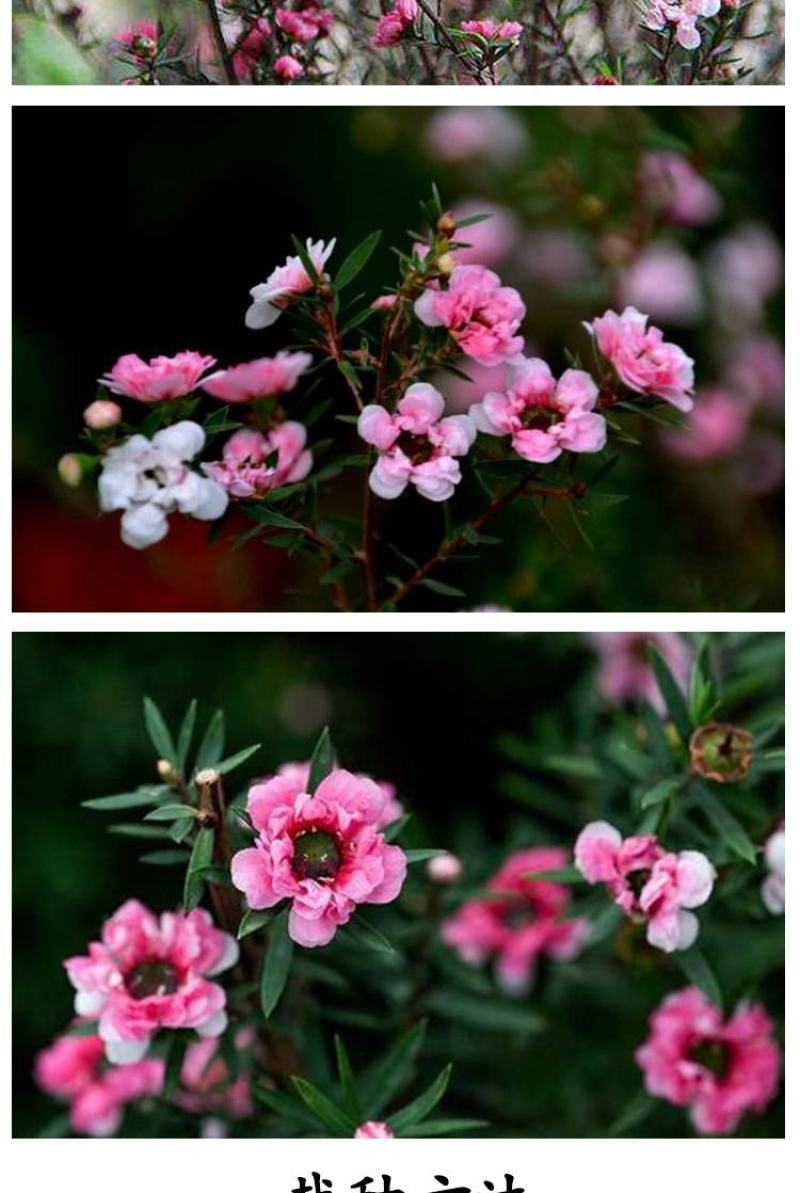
x=172 y=812
x=393 y=830
x=421 y=855
x=165 y=857
x=656 y=737
x=632 y=1115
x=158 y=733
x=145 y=832
x=308 y=264
x=229 y=764
x=202 y=852
x=353 y=264
x=699 y=973
x=212 y=744
x=185 y=734
x=269 y=517
x=252 y=921
x=58 y=1128
x=421 y=1107
x=44 y=54
x=446 y=590
x=567 y=874
x=323 y=760
x=483 y=1013
x=387 y=1076
x=444 y=1126
x=727 y=826
x=347 y=1080
x=673 y=696
x=118 y=803
x=277 y=960
x=324 y=1109
x=661 y=792
x=361 y=931
x=286 y=1106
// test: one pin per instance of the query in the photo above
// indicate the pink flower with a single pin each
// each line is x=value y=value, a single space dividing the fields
x=101 y=415
x=521 y=923
x=250 y=50
x=642 y=359
x=493 y=31
x=244 y=470
x=206 y=1081
x=719 y=1070
x=284 y=283
x=322 y=851
x=490 y=240
x=288 y=68
x=459 y=134
x=543 y=416
x=444 y=868
x=744 y=269
x=667 y=883
x=416 y=445
x=306 y=24
x=141 y=42
x=163 y=379
x=663 y=280
x=683 y=15
x=480 y=314
x=384 y=302
x=393 y=24
x=392 y=809
x=149 y=973
x=756 y=368
x=625 y=672
x=374 y=1131
x=671 y=185
x=71 y=1069
x=716 y=427
x=263 y=378
x=605 y=81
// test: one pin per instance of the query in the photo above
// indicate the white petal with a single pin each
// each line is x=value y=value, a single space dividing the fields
x=126 y=1052
x=213 y=501
x=143 y=525
x=228 y=959
x=214 y=1026
x=88 y=1002
x=183 y=440
x=260 y=315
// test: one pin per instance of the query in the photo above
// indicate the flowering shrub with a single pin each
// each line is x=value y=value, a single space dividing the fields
x=243 y=42
x=321 y=976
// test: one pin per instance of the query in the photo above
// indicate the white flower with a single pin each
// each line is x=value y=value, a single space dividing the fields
x=773 y=888
x=150 y=479
x=285 y=281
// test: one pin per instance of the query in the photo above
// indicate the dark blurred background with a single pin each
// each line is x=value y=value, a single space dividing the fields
x=143 y=230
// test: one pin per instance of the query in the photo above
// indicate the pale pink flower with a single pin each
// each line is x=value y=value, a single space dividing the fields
x=162 y=379
x=493 y=31
x=671 y=185
x=284 y=283
x=101 y=415
x=288 y=68
x=643 y=360
x=324 y=852
x=648 y=883
x=718 y=1069
x=556 y=258
x=459 y=134
x=416 y=445
x=72 y=1070
x=263 y=378
x=374 y=1130
x=444 y=868
x=744 y=269
x=543 y=416
x=773 y=888
x=755 y=367
x=520 y=921
x=249 y=466
x=206 y=1085
x=148 y=973
x=683 y=15
x=664 y=281
x=460 y=394
x=384 y=302
x=716 y=427
x=625 y=673
x=481 y=314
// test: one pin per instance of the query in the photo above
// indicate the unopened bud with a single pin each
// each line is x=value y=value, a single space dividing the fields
x=101 y=414
x=166 y=771
x=145 y=47
x=446 y=224
x=444 y=868
x=70 y=471
x=445 y=264
x=721 y=753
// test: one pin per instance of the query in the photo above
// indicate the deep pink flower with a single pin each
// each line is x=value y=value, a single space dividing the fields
x=374 y=1130
x=416 y=445
x=251 y=48
x=480 y=314
x=716 y=427
x=324 y=852
x=718 y=1069
x=543 y=416
x=393 y=24
x=298 y=772
x=243 y=470
x=642 y=359
x=141 y=42
x=521 y=921
x=263 y=378
x=625 y=672
x=149 y=973
x=647 y=882
x=493 y=31
x=306 y=24
x=163 y=379
x=288 y=68
x=206 y=1085
x=671 y=185
x=72 y=1069
x=284 y=283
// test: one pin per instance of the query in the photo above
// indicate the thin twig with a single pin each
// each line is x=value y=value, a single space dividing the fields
x=219 y=41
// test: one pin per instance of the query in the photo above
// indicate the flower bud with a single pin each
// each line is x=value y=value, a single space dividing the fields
x=721 y=753
x=374 y=1130
x=166 y=771
x=445 y=264
x=446 y=224
x=101 y=414
x=444 y=868
x=70 y=471
x=591 y=208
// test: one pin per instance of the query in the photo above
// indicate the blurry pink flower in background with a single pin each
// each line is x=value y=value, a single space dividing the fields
x=744 y=269
x=206 y=1084
x=491 y=240
x=755 y=367
x=643 y=360
x=286 y=281
x=72 y=1069
x=717 y=1069
x=671 y=185
x=664 y=281
x=263 y=378
x=555 y=257
x=243 y=470
x=374 y=1131
x=161 y=379
x=481 y=314
x=444 y=868
x=760 y=465
x=715 y=427
x=519 y=921
x=460 y=134
x=392 y=809
x=625 y=673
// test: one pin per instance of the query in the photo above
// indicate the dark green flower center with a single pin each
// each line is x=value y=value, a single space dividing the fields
x=637 y=881
x=316 y=855
x=712 y=1056
x=417 y=448
x=152 y=977
x=539 y=418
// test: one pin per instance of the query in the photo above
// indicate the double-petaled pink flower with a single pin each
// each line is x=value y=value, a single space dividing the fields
x=162 y=379
x=304 y=24
x=544 y=417
x=253 y=464
x=493 y=31
x=648 y=883
x=393 y=24
x=288 y=68
x=72 y=1070
x=392 y=809
x=519 y=921
x=481 y=314
x=263 y=378
x=150 y=972
x=287 y=281
x=416 y=445
x=642 y=359
x=324 y=852
x=718 y=1069
x=683 y=15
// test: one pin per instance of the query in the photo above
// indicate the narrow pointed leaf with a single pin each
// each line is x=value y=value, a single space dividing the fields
x=673 y=696
x=194 y=884
x=277 y=961
x=158 y=733
x=323 y=760
x=353 y=264
x=421 y=1107
x=324 y=1109
x=212 y=745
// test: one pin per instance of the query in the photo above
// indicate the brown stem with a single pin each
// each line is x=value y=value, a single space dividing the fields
x=219 y=41
x=451 y=44
x=562 y=44
x=334 y=344
x=211 y=811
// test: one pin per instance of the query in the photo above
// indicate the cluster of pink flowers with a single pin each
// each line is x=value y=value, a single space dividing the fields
x=393 y=24
x=519 y=921
x=254 y=463
x=717 y=1069
x=648 y=883
x=493 y=31
x=416 y=445
x=544 y=417
x=250 y=49
x=304 y=24
x=324 y=852
x=683 y=15
x=642 y=359
x=482 y=315
x=286 y=281
x=148 y=973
